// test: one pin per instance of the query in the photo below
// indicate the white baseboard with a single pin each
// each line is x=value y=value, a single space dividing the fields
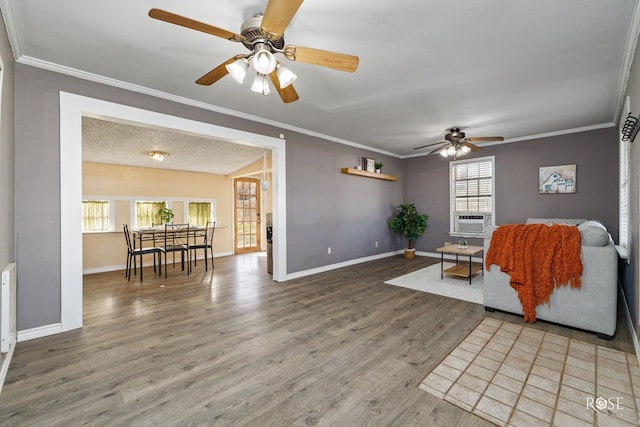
x=39 y=332
x=330 y=267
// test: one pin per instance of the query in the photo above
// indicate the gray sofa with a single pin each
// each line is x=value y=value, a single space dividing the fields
x=592 y=307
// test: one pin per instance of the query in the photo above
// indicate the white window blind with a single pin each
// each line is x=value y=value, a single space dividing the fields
x=624 y=240
x=473 y=184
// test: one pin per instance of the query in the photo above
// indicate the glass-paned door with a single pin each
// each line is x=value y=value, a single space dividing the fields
x=247 y=226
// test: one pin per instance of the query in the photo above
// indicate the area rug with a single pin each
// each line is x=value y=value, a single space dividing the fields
x=514 y=375
x=428 y=280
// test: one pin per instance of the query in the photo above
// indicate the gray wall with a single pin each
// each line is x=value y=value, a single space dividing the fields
x=595 y=154
x=324 y=207
x=7 y=146
x=629 y=272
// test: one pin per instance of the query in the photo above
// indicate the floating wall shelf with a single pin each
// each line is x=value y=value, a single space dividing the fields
x=352 y=171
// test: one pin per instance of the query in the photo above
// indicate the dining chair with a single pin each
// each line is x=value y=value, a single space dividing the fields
x=206 y=245
x=176 y=239
x=133 y=252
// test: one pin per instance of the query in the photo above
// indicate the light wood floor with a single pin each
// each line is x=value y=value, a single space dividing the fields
x=232 y=347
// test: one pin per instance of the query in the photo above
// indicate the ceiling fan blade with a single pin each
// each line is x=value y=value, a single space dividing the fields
x=288 y=94
x=429 y=145
x=437 y=150
x=470 y=145
x=485 y=138
x=324 y=58
x=172 y=18
x=277 y=16
x=217 y=73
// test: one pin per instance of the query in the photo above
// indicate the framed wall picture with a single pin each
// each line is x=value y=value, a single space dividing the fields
x=557 y=179
x=368 y=164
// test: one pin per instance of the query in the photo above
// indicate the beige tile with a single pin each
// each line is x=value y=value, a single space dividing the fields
x=575 y=409
x=541 y=396
x=463 y=354
x=492 y=324
x=582 y=346
x=504 y=340
x=588 y=387
x=500 y=348
x=447 y=372
x=556 y=339
x=456 y=362
x=521 y=419
x=437 y=382
x=536 y=409
x=493 y=408
x=632 y=360
x=473 y=383
x=512 y=328
x=470 y=347
x=514 y=372
x=582 y=364
x=508 y=383
x=621 y=384
x=582 y=355
x=551 y=354
x=605 y=420
x=580 y=373
x=564 y=420
x=547 y=345
x=532 y=333
x=432 y=391
x=492 y=354
x=543 y=383
x=477 y=340
x=481 y=335
x=487 y=363
x=546 y=373
x=501 y=395
x=612 y=354
x=520 y=345
x=463 y=395
x=480 y=372
x=556 y=365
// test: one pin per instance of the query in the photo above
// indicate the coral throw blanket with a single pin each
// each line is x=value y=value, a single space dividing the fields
x=538 y=258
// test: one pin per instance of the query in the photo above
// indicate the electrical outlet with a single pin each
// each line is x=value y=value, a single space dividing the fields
x=376 y=244
x=329 y=250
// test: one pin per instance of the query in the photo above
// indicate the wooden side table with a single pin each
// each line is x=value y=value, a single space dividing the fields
x=462 y=269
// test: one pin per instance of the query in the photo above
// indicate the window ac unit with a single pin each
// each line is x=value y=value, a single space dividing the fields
x=471 y=223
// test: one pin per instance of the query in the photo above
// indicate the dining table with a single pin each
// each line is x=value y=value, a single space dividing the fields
x=156 y=234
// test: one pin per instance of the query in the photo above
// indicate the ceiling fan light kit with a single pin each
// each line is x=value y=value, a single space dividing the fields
x=263 y=36
x=158 y=155
x=458 y=144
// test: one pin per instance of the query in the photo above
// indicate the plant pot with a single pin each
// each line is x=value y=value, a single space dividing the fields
x=409 y=253
x=378 y=171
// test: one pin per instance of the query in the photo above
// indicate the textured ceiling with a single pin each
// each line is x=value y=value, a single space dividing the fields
x=129 y=144
x=492 y=67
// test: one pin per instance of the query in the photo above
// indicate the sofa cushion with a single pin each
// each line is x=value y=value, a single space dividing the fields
x=551 y=221
x=593 y=233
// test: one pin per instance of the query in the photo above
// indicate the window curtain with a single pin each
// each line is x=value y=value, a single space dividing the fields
x=199 y=213
x=147 y=213
x=95 y=215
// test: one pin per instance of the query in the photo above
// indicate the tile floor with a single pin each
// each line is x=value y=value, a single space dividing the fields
x=512 y=375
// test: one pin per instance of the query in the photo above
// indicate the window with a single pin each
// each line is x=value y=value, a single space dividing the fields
x=95 y=215
x=471 y=194
x=147 y=213
x=199 y=213
x=624 y=240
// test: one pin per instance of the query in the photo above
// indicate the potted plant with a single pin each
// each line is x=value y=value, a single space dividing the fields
x=166 y=215
x=410 y=223
x=378 y=167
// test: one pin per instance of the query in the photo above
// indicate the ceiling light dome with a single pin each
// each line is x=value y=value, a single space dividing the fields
x=263 y=61
x=158 y=155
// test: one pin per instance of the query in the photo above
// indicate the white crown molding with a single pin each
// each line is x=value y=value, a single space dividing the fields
x=34 y=62
x=9 y=16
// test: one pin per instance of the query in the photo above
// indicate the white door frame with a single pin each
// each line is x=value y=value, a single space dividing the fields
x=72 y=108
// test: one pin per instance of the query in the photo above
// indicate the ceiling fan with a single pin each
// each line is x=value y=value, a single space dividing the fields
x=458 y=144
x=263 y=35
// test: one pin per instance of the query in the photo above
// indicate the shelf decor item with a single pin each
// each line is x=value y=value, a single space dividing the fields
x=411 y=224
x=368 y=164
x=378 y=167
